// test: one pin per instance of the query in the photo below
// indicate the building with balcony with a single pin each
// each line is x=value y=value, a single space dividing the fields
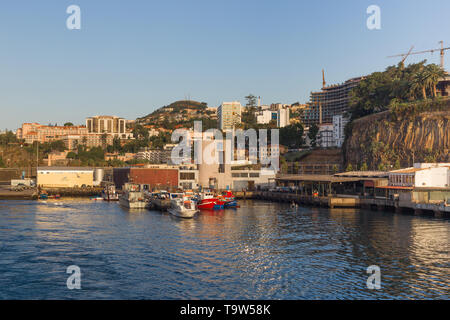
x=112 y=125
x=229 y=114
x=330 y=101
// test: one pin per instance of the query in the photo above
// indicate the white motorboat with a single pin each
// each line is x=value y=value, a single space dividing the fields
x=182 y=206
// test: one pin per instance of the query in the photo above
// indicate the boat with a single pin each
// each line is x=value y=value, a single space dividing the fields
x=109 y=193
x=161 y=200
x=96 y=198
x=229 y=199
x=208 y=201
x=44 y=196
x=133 y=198
x=182 y=206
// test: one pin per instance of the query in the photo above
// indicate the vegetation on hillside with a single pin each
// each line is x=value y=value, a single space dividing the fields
x=382 y=91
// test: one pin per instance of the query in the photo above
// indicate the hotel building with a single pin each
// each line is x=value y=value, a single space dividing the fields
x=330 y=101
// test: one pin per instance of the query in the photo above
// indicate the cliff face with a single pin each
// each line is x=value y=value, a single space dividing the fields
x=380 y=140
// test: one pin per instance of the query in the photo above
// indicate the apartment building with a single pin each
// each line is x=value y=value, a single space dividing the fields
x=112 y=125
x=229 y=114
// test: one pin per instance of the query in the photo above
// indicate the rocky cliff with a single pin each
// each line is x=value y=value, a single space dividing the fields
x=384 y=141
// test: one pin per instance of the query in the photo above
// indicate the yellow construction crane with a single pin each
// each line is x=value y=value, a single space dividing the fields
x=441 y=50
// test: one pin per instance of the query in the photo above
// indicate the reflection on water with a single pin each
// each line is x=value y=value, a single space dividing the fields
x=259 y=251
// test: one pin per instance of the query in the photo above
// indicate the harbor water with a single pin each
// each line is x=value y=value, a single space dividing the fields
x=261 y=250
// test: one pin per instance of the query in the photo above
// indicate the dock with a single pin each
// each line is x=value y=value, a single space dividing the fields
x=349 y=201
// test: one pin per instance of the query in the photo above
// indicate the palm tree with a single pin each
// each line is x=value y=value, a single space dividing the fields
x=434 y=74
x=420 y=82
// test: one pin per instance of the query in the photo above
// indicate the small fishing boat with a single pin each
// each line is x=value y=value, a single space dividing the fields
x=43 y=196
x=229 y=199
x=182 y=206
x=109 y=193
x=208 y=201
x=161 y=200
x=133 y=198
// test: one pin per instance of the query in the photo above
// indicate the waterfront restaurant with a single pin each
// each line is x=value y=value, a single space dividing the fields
x=361 y=183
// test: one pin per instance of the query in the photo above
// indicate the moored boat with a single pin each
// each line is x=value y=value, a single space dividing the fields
x=133 y=198
x=161 y=200
x=229 y=199
x=109 y=193
x=182 y=206
x=208 y=201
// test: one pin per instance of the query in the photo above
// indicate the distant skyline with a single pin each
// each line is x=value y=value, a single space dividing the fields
x=132 y=57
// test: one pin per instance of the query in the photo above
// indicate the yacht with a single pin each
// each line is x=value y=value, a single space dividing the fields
x=182 y=206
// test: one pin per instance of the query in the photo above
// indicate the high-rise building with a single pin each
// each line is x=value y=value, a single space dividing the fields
x=332 y=100
x=106 y=124
x=229 y=114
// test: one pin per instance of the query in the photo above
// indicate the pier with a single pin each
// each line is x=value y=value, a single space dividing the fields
x=345 y=201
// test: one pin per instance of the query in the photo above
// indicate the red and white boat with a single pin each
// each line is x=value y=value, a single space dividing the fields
x=209 y=201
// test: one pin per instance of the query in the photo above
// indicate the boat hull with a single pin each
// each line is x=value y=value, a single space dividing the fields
x=187 y=214
x=133 y=205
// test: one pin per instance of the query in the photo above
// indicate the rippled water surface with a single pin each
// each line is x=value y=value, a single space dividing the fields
x=259 y=251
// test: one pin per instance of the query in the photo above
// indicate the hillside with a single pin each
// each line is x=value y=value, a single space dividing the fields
x=178 y=113
x=399 y=139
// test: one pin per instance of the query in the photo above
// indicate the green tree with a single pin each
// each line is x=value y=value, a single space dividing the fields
x=375 y=92
x=251 y=101
x=296 y=167
x=68 y=124
x=349 y=168
x=104 y=139
x=434 y=74
x=292 y=136
x=312 y=134
x=364 y=167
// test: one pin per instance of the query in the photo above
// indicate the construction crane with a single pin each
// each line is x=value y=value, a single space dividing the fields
x=441 y=50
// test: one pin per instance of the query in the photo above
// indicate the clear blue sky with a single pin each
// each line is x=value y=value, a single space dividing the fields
x=131 y=57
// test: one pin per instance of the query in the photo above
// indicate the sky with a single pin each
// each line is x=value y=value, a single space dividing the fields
x=131 y=57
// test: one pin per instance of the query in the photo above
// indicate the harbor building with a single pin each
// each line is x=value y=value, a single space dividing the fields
x=155 y=177
x=64 y=177
x=330 y=101
x=229 y=114
x=112 y=125
x=422 y=175
x=188 y=177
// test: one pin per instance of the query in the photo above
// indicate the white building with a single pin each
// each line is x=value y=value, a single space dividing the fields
x=339 y=123
x=229 y=114
x=265 y=116
x=325 y=137
x=281 y=116
x=422 y=175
